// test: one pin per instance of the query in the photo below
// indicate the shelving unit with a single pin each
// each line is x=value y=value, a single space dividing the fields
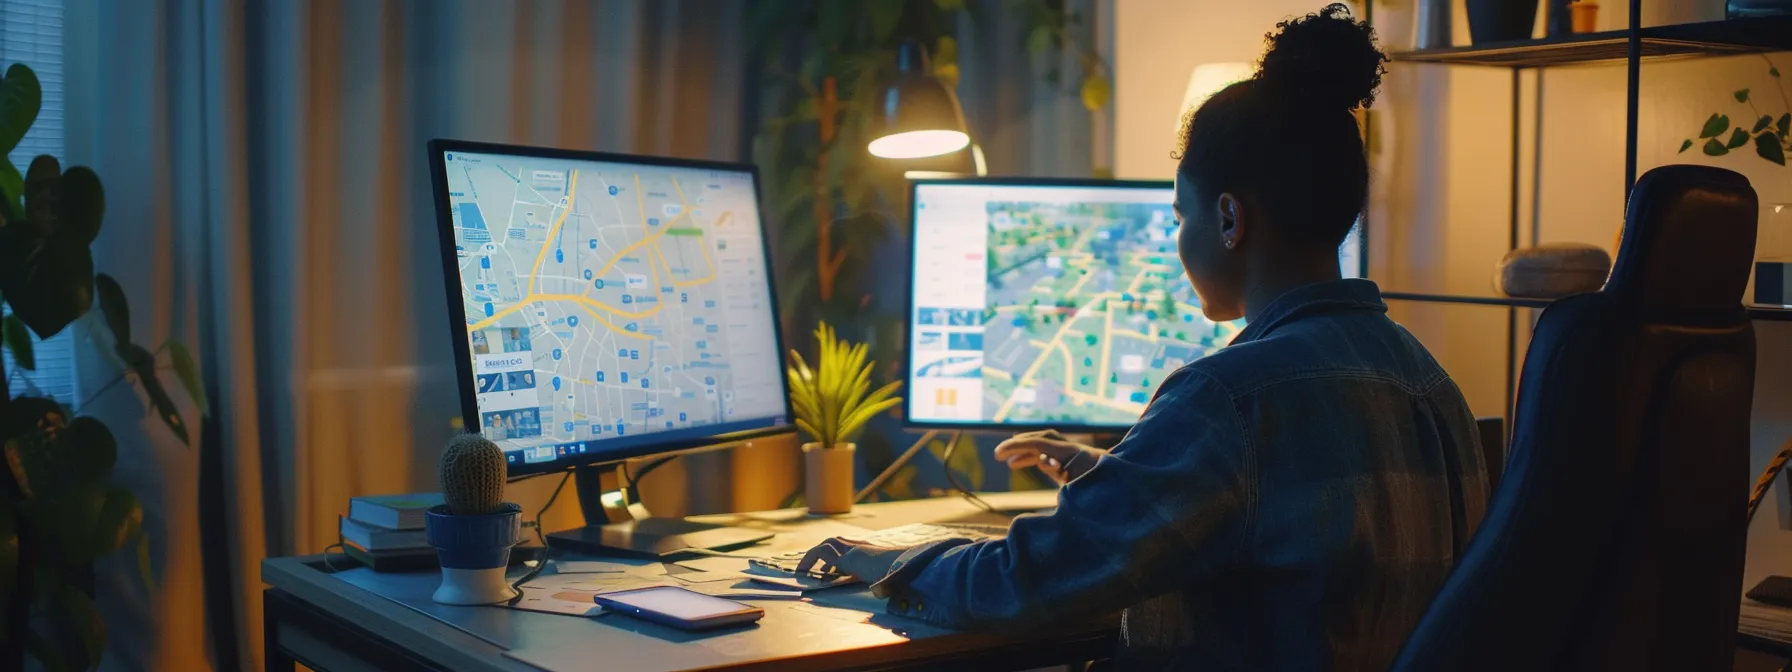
x=1633 y=46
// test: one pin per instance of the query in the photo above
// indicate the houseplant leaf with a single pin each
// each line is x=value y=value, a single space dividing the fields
x=883 y=16
x=9 y=561
x=114 y=307
x=143 y=364
x=89 y=449
x=1715 y=148
x=1768 y=147
x=145 y=570
x=48 y=282
x=1715 y=126
x=1785 y=125
x=1741 y=95
x=1762 y=123
x=1737 y=139
x=12 y=186
x=118 y=524
x=1685 y=146
x=17 y=339
x=45 y=652
x=21 y=96
x=188 y=372
x=78 y=615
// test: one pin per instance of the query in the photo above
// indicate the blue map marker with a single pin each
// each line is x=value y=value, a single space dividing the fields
x=556 y=382
x=572 y=320
x=556 y=353
x=600 y=283
x=614 y=191
x=587 y=274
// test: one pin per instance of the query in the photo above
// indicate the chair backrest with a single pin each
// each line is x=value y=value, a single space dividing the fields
x=1616 y=538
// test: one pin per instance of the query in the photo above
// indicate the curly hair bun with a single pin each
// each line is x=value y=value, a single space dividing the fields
x=1327 y=60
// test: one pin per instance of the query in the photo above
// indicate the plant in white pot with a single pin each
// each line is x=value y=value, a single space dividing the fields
x=833 y=401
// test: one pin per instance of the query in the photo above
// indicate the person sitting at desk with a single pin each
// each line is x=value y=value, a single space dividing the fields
x=1290 y=502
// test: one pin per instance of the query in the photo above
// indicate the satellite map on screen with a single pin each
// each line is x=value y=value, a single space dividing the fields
x=1084 y=307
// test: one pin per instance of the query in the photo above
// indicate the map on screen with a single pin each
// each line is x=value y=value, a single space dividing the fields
x=1049 y=305
x=611 y=304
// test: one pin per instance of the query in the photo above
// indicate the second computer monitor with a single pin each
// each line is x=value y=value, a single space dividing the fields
x=1050 y=303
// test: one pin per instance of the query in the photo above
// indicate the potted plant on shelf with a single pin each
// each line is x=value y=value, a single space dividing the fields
x=833 y=401
x=1767 y=129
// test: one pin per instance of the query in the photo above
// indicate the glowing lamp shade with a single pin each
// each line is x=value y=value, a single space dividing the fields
x=921 y=116
x=1209 y=79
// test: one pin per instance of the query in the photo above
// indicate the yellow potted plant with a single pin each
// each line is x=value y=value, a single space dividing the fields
x=833 y=401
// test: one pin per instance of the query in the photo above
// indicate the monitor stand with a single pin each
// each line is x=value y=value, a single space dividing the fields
x=619 y=524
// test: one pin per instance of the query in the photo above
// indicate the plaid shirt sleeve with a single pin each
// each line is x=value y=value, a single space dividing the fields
x=1169 y=505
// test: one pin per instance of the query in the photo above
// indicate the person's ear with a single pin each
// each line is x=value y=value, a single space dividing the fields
x=1231 y=229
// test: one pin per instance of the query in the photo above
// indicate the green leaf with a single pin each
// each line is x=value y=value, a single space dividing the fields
x=1715 y=148
x=118 y=524
x=78 y=615
x=21 y=96
x=1741 y=95
x=72 y=515
x=9 y=561
x=12 y=190
x=143 y=364
x=1096 y=91
x=89 y=449
x=832 y=24
x=115 y=308
x=83 y=205
x=1785 y=125
x=1762 y=123
x=17 y=338
x=188 y=371
x=43 y=181
x=48 y=284
x=145 y=569
x=1768 y=147
x=45 y=652
x=1685 y=146
x=1039 y=40
x=1771 y=70
x=1737 y=139
x=1715 y=126
x=883 y=15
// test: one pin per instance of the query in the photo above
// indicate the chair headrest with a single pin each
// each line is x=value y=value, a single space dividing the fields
x=1688 y=245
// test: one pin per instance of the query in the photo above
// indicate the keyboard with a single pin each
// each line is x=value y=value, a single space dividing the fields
x=906 y=535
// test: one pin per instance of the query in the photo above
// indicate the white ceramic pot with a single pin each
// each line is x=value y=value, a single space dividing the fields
x=827 y=478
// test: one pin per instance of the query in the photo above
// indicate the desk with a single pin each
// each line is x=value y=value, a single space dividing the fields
x=314 y=617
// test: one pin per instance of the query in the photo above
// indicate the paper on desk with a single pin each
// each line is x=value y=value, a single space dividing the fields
x=588 y=567
x=708 y=577
x=571 y=594
x=714 y=564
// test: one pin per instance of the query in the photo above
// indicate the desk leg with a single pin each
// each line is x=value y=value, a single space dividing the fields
x=274 y=656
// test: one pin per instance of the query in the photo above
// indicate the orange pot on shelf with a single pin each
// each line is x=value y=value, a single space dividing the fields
x=1586 y=16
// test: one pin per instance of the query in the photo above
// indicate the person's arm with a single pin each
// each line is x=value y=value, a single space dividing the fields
x=1169 y=505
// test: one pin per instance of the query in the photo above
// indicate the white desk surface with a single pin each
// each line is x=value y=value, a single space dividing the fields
x=842 y=627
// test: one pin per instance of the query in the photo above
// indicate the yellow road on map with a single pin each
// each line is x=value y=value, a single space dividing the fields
x=650 y=240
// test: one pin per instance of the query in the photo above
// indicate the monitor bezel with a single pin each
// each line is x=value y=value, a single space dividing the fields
x=908 y=308
x=463 y=348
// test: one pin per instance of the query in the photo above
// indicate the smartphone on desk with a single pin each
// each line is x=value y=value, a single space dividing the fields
x=679 y=608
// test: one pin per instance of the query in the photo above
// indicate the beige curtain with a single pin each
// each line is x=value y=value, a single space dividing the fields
x=268 y=203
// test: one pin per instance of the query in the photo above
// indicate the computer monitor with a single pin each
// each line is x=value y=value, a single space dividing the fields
x=606 y=307
x=1050 y=303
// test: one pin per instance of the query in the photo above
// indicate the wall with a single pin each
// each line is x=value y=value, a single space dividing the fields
x=1440 y=202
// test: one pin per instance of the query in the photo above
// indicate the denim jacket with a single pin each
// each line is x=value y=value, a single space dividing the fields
x=1290 y=502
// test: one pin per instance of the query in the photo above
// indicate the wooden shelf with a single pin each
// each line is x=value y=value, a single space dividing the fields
x=1756 y=311
x=1715 y=38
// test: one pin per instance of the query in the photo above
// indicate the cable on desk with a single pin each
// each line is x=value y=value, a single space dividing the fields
x=952 y=477
x=901 y=461
x=542 y=562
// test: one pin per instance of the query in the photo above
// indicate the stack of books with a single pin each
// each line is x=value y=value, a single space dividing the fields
x=385 y=532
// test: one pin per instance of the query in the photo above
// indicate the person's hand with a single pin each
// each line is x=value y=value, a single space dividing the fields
x=860 y=560
x=1058 y=457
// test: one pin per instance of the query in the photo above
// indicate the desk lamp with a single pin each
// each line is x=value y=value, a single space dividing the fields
x=921 y=116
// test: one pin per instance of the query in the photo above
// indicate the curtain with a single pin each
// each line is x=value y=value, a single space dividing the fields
x=269 y=205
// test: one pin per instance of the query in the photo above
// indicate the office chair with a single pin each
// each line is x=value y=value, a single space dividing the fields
x=1615 y=539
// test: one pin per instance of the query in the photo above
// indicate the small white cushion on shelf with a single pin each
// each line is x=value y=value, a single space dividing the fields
x=1552 y=271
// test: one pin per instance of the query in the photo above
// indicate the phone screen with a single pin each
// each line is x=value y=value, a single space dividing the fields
x=676 y=602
